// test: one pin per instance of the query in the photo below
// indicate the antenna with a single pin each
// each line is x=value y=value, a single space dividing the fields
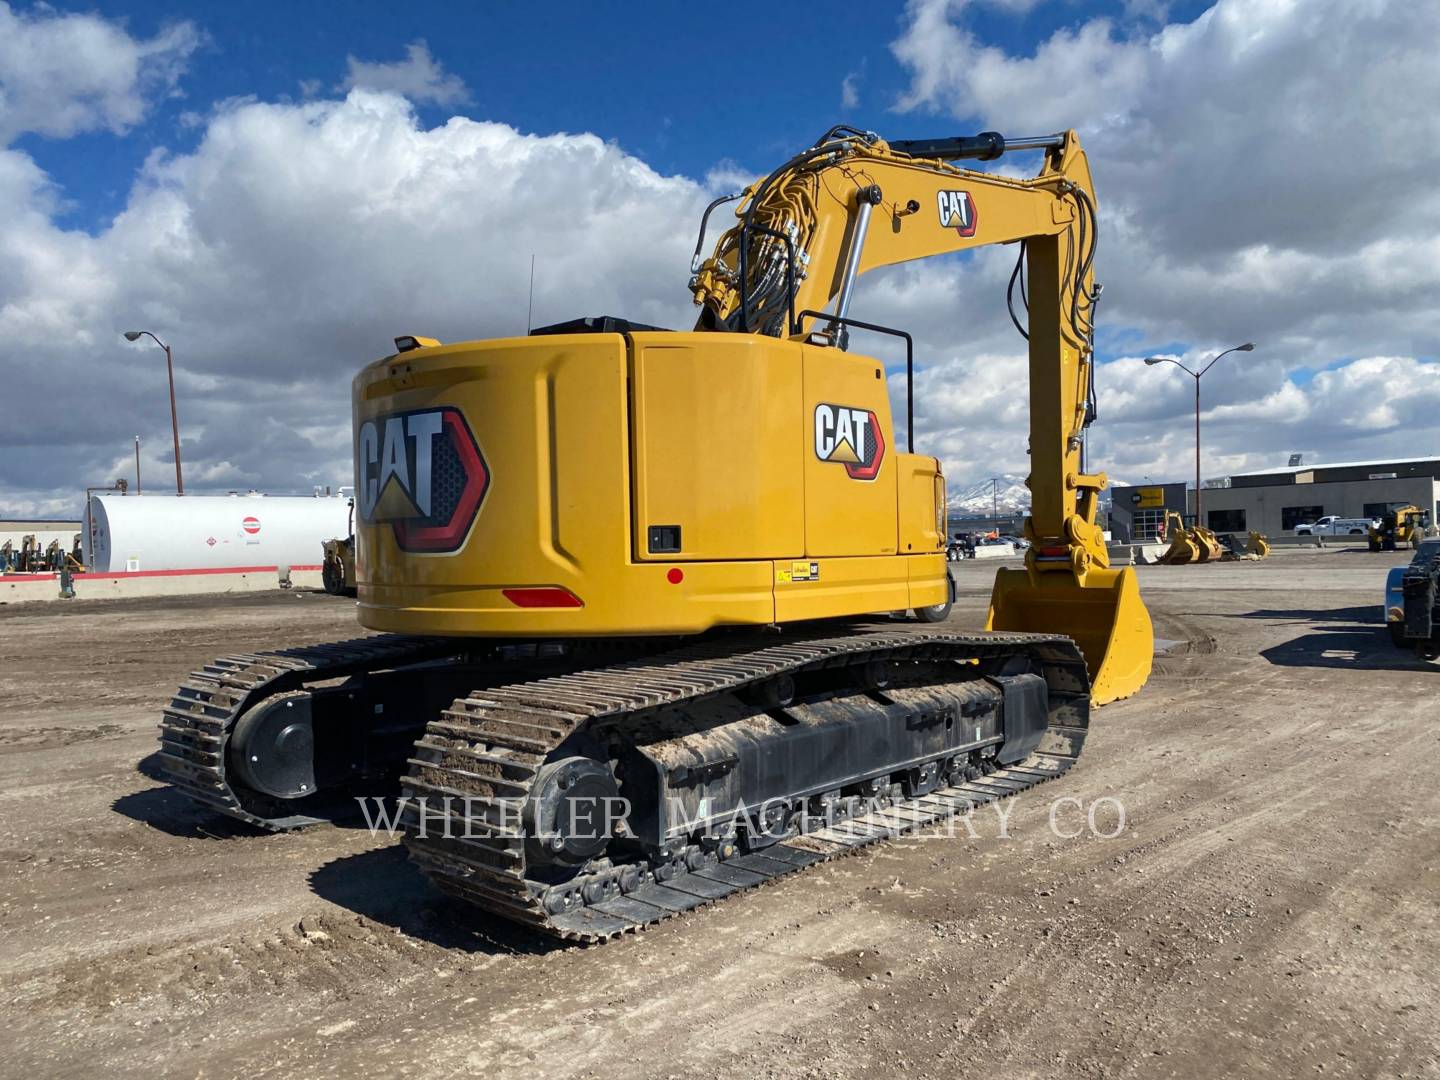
x=530 y=308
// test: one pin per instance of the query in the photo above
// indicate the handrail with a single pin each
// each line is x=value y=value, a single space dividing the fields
x=909 y=362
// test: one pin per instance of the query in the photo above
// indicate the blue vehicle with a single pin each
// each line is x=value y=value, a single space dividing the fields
x=1412 y=624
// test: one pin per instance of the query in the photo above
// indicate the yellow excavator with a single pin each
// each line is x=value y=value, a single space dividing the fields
x=664 y=614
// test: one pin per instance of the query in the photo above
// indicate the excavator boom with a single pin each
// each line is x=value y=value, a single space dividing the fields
x=853 y=203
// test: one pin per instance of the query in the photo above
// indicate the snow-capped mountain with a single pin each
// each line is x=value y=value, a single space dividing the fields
x=981 y=498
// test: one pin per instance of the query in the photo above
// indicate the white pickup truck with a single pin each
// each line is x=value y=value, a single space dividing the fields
x=1336 y=526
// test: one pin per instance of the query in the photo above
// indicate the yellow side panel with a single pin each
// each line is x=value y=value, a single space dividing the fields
x=929 y=580
x=849 y=454
x=550 y=417
x=829 y=588
x=715 y=447
x=922 y=504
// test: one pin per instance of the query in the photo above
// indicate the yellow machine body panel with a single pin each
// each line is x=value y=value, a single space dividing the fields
x=716 y=447
x=665 y=483
x=849 y=456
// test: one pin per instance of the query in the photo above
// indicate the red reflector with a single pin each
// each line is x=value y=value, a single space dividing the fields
x=1054 y=552
x=551 y=596
x=675 y=576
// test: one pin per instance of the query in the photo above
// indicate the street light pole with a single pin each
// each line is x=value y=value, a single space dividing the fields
x=137 y=464
x=135 y=335
x=1198 y=519
x=1249 y=346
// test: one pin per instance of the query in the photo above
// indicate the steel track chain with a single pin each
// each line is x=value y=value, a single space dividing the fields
x=195 y=727
x=487 y=749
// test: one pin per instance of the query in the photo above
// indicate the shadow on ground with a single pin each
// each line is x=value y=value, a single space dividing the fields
x=1352 y=638
x=173 y=812
x=1367 y=614
x=385 y=887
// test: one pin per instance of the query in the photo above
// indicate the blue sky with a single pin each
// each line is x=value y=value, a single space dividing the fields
x=280 y=228
x=749 y=87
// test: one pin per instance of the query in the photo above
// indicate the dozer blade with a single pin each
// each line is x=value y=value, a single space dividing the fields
x=1106 y=617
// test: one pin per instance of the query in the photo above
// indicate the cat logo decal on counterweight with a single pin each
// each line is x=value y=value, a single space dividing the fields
x=851 y=437
x=422 y=473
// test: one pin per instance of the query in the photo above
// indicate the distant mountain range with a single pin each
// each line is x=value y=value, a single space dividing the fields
x=1011 y=498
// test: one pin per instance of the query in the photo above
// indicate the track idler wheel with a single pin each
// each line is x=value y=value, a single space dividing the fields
x=573 y=811
x=273 y=748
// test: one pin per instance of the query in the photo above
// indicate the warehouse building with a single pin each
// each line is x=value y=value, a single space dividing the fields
x=1274 y=501
x=44 y=530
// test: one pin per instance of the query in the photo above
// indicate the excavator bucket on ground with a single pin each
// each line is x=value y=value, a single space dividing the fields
x=1182 y=550
x=1253 y=550
x=1105 y=616
x=1207 y=544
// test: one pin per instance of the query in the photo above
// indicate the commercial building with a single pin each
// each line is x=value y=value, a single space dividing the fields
x=43 y=529
x=1137 y=514
x=1274 y=501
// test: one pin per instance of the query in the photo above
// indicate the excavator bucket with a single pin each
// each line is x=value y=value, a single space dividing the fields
x=1182 y=549
x=1207 y=543
x=1105 y=616
x=1259 y=544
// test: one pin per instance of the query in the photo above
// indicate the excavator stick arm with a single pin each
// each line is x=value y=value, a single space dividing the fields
x=807 y=231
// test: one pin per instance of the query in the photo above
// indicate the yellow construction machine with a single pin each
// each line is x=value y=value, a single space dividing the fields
x=645 y=594
x=1189 y=544
x=1207 y=544
x=1404 y=526
x=337 y=566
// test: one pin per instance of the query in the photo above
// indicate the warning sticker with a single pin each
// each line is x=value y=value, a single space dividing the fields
x=797 y=571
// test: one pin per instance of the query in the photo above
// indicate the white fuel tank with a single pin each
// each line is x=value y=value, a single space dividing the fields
x=130 y=533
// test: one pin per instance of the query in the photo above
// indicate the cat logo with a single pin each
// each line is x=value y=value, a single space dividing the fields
x=423 y=474
x=851 y=437
x=957 y=211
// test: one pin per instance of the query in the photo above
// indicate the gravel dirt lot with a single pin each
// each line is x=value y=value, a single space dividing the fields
x=1269 y=908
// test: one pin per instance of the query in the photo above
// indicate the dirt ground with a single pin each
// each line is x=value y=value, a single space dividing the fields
x=1269 y=907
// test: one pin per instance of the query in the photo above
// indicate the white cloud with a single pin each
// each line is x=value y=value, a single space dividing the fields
x=419 y=77
x=1264 y=173
x=951 y=68
x=283 y=254
x=850 y=91
x=61 y=74
x=296 y=239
